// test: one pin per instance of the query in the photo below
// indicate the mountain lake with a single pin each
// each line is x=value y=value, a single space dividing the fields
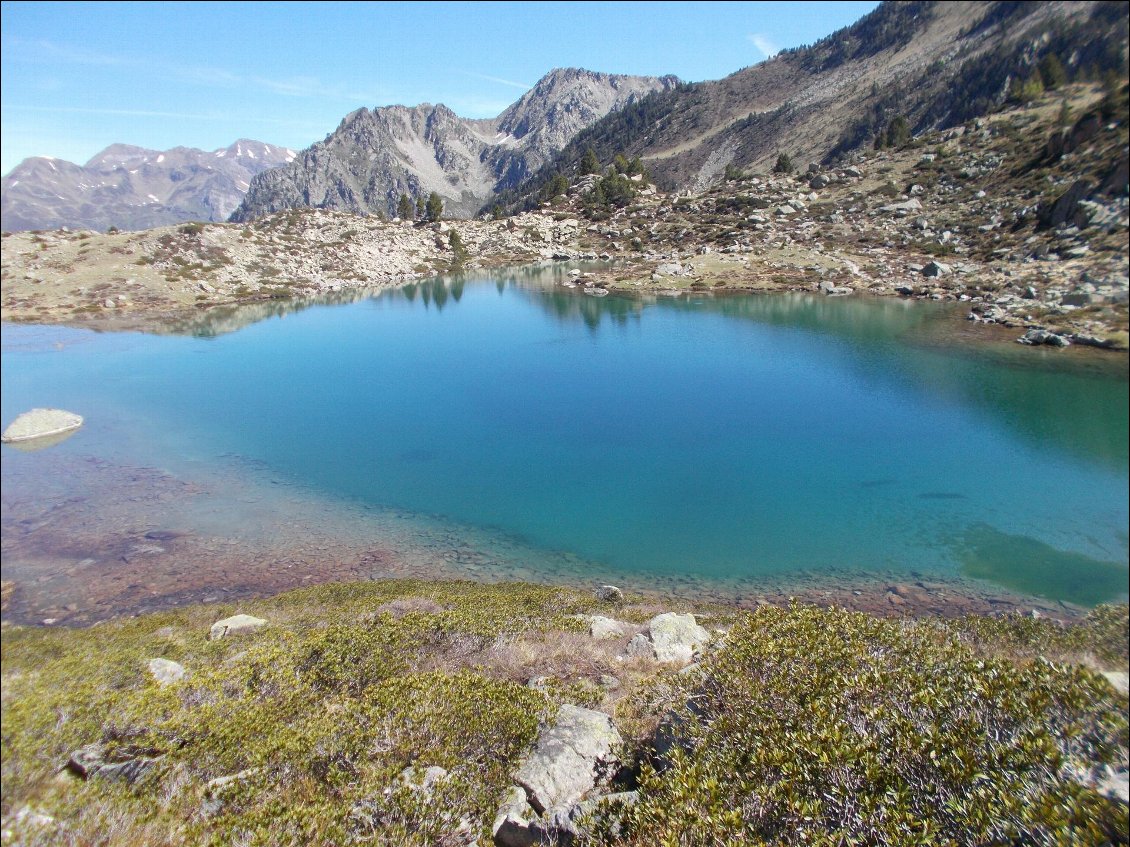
x=503 y=426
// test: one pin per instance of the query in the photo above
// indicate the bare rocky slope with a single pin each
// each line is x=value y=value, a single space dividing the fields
x=934 y=65
x=375 y=155
x=133 y=188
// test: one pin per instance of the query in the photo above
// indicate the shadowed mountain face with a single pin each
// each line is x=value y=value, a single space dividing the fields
x=376 y=155
x=133 y=188
x=933 y=65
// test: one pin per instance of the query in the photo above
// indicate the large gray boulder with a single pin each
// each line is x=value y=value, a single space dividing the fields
x=676 y=638
x=511 y=826
x=570 y=758
x=235 y=625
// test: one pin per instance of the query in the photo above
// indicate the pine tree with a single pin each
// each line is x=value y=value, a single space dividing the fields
x=459 y=251
x=434 y=208
x=784 y=164
x=590 y=164
x=404 y=208
x=421 y=208
x=1052 y=72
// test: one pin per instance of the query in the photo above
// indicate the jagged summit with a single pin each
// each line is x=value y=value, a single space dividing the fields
x=377 y=154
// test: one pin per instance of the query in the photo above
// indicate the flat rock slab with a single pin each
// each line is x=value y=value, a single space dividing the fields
x=40 y=423
x=235 y=625
x=570 y=758
x=93 y=760
x=675 y=637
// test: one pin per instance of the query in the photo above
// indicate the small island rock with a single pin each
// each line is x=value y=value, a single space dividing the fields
x=40 y=423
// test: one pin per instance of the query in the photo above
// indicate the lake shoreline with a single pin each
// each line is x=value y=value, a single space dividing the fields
x=88 y=559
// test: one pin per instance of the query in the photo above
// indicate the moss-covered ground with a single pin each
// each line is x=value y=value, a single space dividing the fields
x=803 y=726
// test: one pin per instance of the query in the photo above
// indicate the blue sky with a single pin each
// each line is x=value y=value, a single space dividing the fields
x=77 y=77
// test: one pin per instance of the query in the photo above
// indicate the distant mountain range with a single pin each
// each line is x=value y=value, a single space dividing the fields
x=133 y=188
x=926 y=65
x=375 y=155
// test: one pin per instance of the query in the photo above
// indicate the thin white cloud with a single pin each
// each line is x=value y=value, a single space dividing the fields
x=145 y=113
x=49 y=51
x=767 y=48
x=134 y=113
x=216 y=77
x=499 y=80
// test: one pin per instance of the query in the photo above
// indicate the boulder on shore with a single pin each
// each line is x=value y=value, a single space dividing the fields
x=675 y=637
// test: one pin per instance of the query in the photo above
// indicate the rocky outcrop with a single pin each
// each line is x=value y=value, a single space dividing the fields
x=676 y=638
x=134 y=188
x=575 y=755
x=603 y=628
x=375 y=155
x=127 y=763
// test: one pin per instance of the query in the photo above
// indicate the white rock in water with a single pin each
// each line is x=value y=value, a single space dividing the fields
x=235 y=625
x=40 y=423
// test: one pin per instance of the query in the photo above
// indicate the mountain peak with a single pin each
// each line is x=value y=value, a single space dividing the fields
x=376 y=155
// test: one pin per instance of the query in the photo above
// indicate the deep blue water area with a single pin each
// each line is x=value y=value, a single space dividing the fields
x=718 y=438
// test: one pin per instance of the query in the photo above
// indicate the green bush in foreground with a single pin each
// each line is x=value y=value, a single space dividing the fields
x=808 y=727
x=832 y=728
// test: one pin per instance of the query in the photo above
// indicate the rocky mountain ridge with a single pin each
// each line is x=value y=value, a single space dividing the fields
x=133 y=188
x=930 y=65
x=375 y=155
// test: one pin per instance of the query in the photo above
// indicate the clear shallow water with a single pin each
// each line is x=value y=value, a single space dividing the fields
x=714 y=438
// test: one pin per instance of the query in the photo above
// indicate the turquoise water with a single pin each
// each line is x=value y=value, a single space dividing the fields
x=717 y=438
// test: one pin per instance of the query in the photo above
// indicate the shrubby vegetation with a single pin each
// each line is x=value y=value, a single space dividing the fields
x=829 y=728
x=808 y=727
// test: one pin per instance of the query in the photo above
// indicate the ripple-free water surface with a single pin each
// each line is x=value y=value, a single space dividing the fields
x=717 y=438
